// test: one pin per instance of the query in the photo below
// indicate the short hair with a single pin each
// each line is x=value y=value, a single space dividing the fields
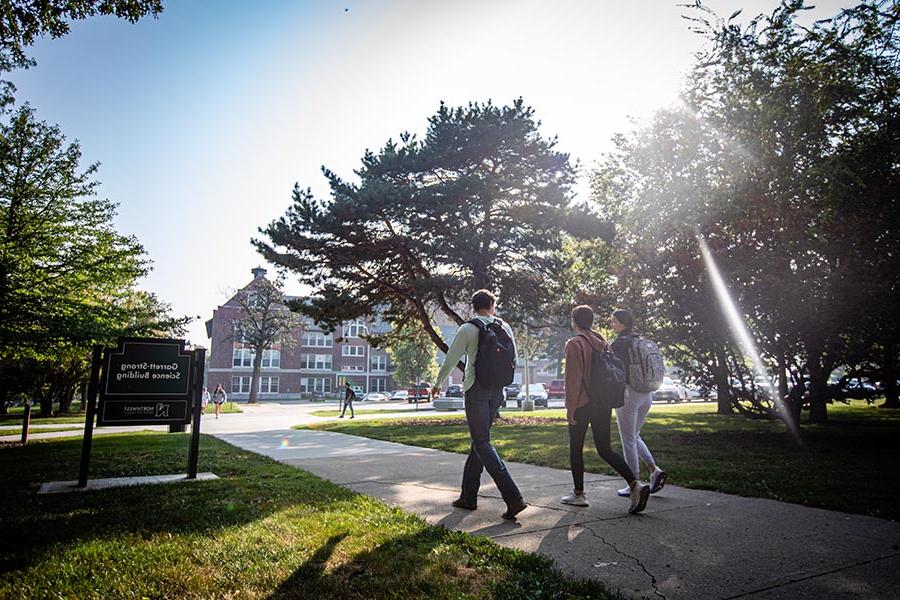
x=624 y=317
x=483 y=300
x=583 y=316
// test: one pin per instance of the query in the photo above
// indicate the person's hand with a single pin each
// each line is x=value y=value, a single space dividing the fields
x=435 y=392
x=572 y=420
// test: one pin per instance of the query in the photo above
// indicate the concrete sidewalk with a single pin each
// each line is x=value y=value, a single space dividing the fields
x=688 y=543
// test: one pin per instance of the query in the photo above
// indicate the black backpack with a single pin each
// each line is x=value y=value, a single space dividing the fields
x=606 y=384
x=495 y=362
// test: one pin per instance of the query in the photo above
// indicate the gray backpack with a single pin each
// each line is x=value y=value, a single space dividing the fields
x=646 y=368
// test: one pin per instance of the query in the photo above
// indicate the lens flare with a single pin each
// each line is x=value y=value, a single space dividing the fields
x=285 y=443
x=740 y=331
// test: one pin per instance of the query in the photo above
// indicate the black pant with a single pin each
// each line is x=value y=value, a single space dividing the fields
x=599 y=418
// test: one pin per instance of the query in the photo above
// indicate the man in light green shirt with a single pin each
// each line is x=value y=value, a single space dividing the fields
x=482 y=403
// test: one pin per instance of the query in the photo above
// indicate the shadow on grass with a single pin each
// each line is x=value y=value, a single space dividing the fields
x=251 y=488
x=436 y=564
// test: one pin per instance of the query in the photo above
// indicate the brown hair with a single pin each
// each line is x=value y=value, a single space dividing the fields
x=483 y=300
x=583 y=316
x=624 y=317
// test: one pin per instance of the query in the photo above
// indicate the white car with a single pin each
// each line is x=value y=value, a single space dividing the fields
x=670 y=391
x=375 y=397
x=400 y=395
x=536 y=391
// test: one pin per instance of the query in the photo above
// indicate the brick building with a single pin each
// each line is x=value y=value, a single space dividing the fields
x=317 y=363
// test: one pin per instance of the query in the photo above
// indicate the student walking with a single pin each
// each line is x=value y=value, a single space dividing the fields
x=490 y=351
x=204 y=400
x=582 y=411
x=219 y=398
x=349 y=397
x=631 y=416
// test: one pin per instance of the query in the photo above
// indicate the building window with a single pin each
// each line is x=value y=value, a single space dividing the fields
x=271 y=359
x=315 y=384
x=377 y=385
x=242 y=357
x=268 y=385
x=240 y=385
x=319 y=362
x=379 y=363
x=353 y=351
x=353 y=368
x=317 y=339
x=354 y=329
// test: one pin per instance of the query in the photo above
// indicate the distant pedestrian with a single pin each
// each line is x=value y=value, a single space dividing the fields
x=631 y=349
x=204 y=400
x=349 y=397
x=219 y=398
x=583 y=410
x=490 y=350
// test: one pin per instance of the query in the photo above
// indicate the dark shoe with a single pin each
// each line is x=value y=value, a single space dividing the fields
x=458 y=503
x=352 y=417
x=341 y=417
x=512 y=511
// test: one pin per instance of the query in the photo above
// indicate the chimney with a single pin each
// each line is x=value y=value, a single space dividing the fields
x=258 y=272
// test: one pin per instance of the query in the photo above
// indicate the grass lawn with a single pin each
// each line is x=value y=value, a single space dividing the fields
x=31 y=431
x=834 y=468
x=264 y=530
x=16 y=419
x=362 y=411
x=227 y=407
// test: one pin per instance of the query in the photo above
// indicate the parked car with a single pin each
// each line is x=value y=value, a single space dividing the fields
x=420 y=391
x=670 y=391
x=375 y=397
x=557 y=389
x=455 y=391
x=356 y=390
x=511 y=392
x=856 y=387
x=537 y=393
x=400 y=395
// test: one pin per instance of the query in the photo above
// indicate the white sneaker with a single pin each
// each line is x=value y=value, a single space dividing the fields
x=625 y=492
x=575 y=499
x=657 y=480
x=639 y=495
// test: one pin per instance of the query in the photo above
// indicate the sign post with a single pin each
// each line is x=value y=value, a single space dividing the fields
x=90 y=411
x=193 y=451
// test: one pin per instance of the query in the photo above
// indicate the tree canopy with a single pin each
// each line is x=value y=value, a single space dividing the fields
x=482 y=200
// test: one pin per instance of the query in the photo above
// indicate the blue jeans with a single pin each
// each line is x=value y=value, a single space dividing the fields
x=346 y=404
x=482 y=406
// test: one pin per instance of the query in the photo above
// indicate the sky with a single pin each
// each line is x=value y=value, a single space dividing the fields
x=204 y=119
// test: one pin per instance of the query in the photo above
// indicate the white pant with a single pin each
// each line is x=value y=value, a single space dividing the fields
x=630 y=418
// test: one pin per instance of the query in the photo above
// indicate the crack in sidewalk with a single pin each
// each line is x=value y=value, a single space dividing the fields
x=653 y=583
x=810 y=577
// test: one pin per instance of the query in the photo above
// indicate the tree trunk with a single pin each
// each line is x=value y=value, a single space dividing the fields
x=3 y=396
x=818 y=393
x=723 y=388
x=889 y=376
x=67 y=394
x=254 y=380
x=46 y=401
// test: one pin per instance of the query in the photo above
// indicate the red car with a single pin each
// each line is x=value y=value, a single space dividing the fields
x=557 y=389
x=420 y=392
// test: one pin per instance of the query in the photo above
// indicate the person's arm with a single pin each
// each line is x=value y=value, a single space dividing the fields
x=513 y=339
x=454 y=353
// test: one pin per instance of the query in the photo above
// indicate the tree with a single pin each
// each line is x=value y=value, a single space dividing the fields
x=784 y=156
x=266 y=321
x=23 y=21
x=481 y=201
x=67 y=277
x=413 y=356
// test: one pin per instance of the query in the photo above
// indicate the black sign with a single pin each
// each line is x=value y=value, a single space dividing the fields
x=146 y=382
